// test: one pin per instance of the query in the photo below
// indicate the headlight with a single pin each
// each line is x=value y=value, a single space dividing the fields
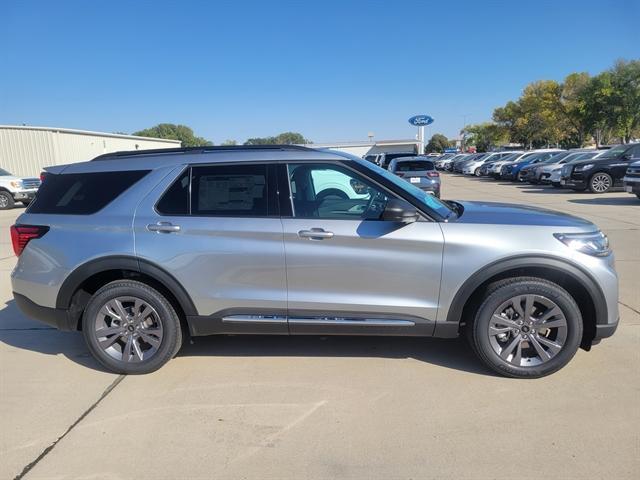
x=584 y=167
x=594 y=243
x=16 y=183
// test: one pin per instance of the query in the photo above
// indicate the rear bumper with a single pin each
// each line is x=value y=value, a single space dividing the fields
x=25 y=194
x=632 y=184
x=55 y=317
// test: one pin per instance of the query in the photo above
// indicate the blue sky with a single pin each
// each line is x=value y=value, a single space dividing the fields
x=332 y=70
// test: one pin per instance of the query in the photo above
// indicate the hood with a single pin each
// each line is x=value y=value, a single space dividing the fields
x=511 y=214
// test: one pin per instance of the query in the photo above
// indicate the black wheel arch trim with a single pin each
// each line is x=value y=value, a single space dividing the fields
x=123 y=262
x=500 y=266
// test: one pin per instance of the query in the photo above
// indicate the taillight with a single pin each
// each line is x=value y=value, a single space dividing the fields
x=21 y=234
x=432 y=173
x=43 y=175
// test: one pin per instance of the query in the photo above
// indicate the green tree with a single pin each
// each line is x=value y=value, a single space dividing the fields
x=285 y=138
x=175 y=132
x=229 y=142
x=573 y=106
x=485 y=136
x=437 y=143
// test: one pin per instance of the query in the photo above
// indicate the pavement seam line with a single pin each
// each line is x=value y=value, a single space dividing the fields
x=629 y=307
x=48 y=450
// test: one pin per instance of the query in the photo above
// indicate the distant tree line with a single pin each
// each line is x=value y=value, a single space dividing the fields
x=602 y=109
x=189 y=139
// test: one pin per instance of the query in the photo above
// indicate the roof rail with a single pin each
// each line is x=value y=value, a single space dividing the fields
x=203 y=149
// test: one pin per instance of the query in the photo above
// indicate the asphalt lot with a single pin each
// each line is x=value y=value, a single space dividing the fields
x=279 y=407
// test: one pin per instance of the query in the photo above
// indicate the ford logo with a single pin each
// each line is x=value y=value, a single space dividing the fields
x=421 y=120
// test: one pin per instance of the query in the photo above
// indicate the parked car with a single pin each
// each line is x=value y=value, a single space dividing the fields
x=140 y=250
x=459 y=165
x=16 y=189
x=631 y=179
x=384 y=159
x=511 y=171
x=473 y=167
x=440 y=161
x=495 y=167
x=603 y=173
x=419 y=171
x=544 y=170
x=531 y=173
x=448 y=164
x=555 y=174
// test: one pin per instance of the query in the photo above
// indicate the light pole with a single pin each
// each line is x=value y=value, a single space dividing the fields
x=464 y=128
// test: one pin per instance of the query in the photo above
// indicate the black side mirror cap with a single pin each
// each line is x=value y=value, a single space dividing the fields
x=400 y=211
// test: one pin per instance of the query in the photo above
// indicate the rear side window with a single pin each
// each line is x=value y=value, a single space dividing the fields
x=414 y=166
x=175 y=201
x=82 y=193
x=229 y=190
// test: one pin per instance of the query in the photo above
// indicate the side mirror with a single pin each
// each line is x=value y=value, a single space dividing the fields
x=400 y=211
x=626 y=156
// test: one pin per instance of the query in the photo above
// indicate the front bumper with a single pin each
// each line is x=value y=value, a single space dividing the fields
x=24 y=194
x=631 y=184
x=605 y=331
x=55 y=317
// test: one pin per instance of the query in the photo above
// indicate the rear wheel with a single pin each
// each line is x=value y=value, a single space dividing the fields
x=131 y=328
x=477 y=172
x=600 y=183
x=6 y=200
x=526 y=328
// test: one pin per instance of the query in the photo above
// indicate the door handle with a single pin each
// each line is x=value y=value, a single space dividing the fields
x=163 y=227
x=315 y=234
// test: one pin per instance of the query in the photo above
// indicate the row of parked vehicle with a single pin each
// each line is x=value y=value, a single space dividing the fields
x=596 y=170
x=419 y=170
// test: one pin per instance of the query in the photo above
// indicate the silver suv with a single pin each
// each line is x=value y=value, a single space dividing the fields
x=140 y=250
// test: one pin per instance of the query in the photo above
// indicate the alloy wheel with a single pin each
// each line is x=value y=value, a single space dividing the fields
x=601 y=183
x=527 y=330
x=128 y=329
x=4 y=201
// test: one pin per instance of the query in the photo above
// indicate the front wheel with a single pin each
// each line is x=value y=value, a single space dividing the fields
x=131 y=328
x=526 y=328
x=600 y=183
x=6 y=200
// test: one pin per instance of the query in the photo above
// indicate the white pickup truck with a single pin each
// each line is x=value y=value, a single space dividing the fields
x=16 y=189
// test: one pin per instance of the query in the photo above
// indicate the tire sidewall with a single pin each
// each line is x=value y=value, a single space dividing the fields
x=594 y=176
x=556 y=294
x=171 y=336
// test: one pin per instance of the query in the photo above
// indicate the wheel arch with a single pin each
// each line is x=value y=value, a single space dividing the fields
x=573 y=278
x=80 y=284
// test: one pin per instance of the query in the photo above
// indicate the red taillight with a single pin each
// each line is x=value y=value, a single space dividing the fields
x=21 y=234
x=432 y=174
x=43 y=175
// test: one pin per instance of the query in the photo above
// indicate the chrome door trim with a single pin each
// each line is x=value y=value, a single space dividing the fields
x=360 y=322
x=255 y=319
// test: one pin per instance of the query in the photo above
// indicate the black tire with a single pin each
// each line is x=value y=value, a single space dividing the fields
x=638 y=195
x=556 y=185
x=499 y=293
x=6 y=200
x=26 y=202
x=167 y=316
x=600 y=182
x=331 y=192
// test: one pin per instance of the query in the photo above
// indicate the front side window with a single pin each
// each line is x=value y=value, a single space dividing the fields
x=333 y=192
x=229 y=190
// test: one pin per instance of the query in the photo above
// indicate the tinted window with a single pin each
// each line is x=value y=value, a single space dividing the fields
x=413 y=166
x=230 y=190
x=175 y=201
x=82 y=193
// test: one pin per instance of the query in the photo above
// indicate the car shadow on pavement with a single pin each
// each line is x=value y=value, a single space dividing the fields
x=448 y=353
x=618 y=201
x=19 y=332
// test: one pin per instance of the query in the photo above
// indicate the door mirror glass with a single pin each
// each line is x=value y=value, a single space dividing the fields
x=399 y=211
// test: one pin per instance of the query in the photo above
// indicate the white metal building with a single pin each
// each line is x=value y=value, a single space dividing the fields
x=24 y=151
x=361 y=149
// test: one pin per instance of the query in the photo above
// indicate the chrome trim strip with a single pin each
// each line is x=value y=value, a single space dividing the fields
x=360 y=322
x=255 y=319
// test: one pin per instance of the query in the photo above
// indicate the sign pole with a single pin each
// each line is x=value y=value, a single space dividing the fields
x=421 y=140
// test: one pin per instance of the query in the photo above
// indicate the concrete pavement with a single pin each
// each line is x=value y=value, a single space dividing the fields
x=311 y=407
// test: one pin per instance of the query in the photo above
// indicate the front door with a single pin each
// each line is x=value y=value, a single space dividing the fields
x=348 y=271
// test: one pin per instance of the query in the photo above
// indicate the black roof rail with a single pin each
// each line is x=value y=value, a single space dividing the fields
x=204 y=149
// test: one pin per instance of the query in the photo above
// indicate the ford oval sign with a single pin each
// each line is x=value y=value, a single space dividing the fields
x=421 y=120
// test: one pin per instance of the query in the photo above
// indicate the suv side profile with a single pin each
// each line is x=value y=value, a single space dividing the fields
x=139 y=250
x=601 y=174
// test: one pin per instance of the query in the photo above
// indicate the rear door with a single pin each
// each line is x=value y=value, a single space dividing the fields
x=348 y=271
x=217 y=230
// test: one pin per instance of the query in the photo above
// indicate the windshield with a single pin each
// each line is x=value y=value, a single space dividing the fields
x=509 y=158
x=424 y=198
x=614 y=152
x=556 y=157
x=583 y=156
x=4 y=173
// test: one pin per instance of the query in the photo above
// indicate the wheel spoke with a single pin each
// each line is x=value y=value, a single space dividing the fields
x=500 y=320
x=126 y=350
x=542 y=353
x=118 y=308
x=105 y=332
x=151 y=340
x=553 y=347
x=104 y=344
x=136 y=349
x=108 y=311
x=559 y=322
x=517 y=306
x=497 y=331
x=506 y=351
x=528 y=307
x=552 y=312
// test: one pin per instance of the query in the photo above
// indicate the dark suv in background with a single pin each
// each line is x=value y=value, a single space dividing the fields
x=602 y=174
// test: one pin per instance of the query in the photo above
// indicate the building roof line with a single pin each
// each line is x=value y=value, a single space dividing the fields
x=86 y=132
